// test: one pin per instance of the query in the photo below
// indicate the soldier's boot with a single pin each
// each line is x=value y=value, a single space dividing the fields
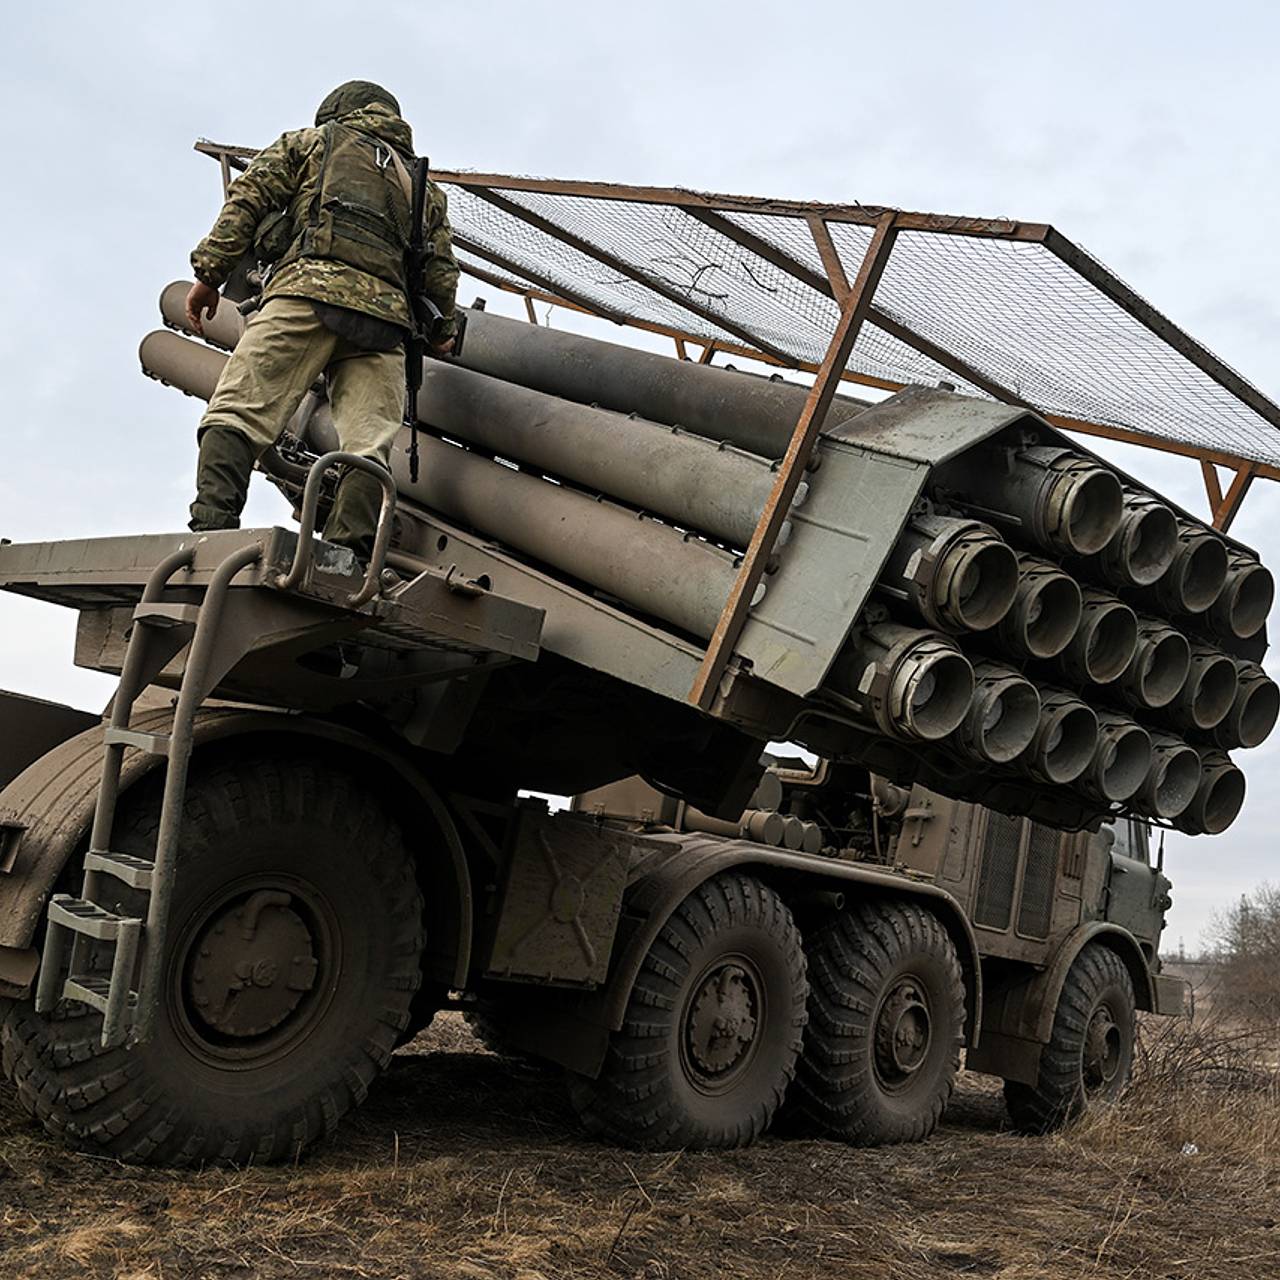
x=222 y=479
x=353 y=520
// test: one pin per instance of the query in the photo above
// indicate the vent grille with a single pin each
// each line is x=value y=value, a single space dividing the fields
x=1036 y=909
x=999 y=871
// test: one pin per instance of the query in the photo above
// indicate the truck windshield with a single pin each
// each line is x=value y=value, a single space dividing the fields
x=1131 y=839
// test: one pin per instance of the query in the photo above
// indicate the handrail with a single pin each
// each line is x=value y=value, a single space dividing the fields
x=303 y=557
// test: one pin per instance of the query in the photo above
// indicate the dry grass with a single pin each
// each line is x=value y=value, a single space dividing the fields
x=463 y=1166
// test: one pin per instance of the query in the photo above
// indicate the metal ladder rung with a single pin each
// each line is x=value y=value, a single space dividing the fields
x=91 y=989
x=134 y=871
x=86 y=918
x=156 y=744
x=167 y=615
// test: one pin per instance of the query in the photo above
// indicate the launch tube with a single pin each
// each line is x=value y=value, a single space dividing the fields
x=1002 y=718
x=1104 y=643
x=757 y=414
x=1253 y=711
x=913 y=685
x=1173 y=778
x=1045 y=613
x=957 y=575
x=1209 y=692
x=1198 y=573
x=223 y=330
x=1121 y=762
x=1142 y=548
x=650 y=566
x=1218 y=798
x=1065 y=739
x=690 y=480
x=1241 y=609
x=1159 y=667
x=1063 y=502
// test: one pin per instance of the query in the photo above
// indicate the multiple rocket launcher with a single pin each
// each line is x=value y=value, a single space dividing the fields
x=1037 y=618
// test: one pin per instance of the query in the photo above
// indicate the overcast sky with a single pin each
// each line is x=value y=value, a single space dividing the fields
x=1145 y=131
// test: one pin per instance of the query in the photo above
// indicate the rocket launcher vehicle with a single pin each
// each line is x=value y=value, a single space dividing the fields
x=961 y=597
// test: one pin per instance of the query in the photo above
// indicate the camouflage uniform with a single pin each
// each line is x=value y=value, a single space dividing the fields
x=292 y=340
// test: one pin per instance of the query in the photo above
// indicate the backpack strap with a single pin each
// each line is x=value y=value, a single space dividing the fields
x=402 y=172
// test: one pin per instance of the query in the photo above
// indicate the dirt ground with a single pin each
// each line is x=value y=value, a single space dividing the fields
x=463 y=1165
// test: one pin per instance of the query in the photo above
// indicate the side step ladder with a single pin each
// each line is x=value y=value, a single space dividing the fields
x=161 y=630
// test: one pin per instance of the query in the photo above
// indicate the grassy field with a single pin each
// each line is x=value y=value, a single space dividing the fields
x=462 y=1165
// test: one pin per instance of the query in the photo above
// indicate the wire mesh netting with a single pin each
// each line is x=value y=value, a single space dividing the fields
x=1012 y=311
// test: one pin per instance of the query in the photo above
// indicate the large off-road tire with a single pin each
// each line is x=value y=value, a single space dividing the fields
x=1089 y=1057
x=712 y=1028
x=292 y=959
x=886 y=1023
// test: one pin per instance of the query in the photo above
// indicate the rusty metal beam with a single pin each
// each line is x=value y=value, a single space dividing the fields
x=860 y=214
x=708 y=353
x=830 y=256
x=1261 y=470
x=614 y=263
x=1227 y=509
x=1164 y=328
x=1212 y=485
x=791 y=469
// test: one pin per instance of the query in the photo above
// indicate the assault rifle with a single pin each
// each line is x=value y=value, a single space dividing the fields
x=427 y=317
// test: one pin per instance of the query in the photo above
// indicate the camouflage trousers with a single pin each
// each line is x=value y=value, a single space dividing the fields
x=284 y=349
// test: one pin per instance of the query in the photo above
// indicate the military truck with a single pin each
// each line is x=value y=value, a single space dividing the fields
x=301 y=830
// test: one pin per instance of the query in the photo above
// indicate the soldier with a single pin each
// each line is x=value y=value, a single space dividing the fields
x=329 y=208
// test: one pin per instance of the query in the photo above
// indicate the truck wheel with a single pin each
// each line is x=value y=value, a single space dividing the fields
x=712 y=1028
x=1089 y=1057
x=293 y=956
x=886 y=1022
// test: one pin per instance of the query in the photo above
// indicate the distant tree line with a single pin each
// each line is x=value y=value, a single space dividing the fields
x=1246 y=952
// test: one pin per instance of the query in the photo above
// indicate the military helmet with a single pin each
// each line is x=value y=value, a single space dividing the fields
x=351 y=96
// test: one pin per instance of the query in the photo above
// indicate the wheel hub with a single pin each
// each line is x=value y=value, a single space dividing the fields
x=902 y=1033
x=254 y=960
x=1102 y=1046
x=723 y=1021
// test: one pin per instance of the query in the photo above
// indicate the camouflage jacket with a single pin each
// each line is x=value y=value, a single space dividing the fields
x=284 y=177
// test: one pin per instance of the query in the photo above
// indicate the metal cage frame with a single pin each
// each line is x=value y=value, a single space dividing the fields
x=850 y=293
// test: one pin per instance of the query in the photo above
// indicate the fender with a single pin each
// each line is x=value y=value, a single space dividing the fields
x=663 y=880
x=51 y=805
x=1019 y=1016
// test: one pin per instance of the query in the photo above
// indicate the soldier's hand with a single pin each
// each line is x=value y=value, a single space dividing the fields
x=443 y=348
x=202 y=304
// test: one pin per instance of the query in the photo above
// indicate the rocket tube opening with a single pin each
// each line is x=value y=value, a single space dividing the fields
x=1092 y=511
x=1249 y=595
x=1108 y=638
x=978 y=584
x=931 y=693
x=1213 y=691
x=1121 y=762
x=1065 y=742
x=1171 y=782
x=1202 y=573
x=1255 y=711
x=1163 y=663
x=1149 y=541
x=1045 y=615
x=1007 y=720
x=1218 y=800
